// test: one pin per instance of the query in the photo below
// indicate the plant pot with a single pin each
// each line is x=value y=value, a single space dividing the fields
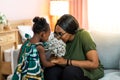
x=1 y=27
x=7 y=27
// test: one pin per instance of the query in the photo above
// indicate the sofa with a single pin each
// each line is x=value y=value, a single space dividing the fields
x=108 y=48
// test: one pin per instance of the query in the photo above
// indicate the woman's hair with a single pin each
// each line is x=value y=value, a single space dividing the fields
x=68 y=23
x=40 y=24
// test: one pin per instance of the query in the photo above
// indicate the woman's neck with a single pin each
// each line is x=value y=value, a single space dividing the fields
x=71 y=37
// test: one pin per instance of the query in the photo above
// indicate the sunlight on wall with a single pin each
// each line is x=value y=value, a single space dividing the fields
x=104 y=15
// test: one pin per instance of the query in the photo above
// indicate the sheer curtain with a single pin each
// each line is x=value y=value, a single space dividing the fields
x=78 y=8
x=104 y=15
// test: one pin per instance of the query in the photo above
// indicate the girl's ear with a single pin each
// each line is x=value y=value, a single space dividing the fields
x=42 y=34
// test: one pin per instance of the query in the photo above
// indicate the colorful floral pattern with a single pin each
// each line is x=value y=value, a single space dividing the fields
x=29 y=66
x=55 y=46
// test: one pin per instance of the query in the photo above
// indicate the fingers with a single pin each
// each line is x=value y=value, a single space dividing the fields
x=54 y=61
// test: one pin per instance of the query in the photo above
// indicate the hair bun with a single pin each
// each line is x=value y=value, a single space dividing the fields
x=39 y=20
x=40 y=24
x=42 y=21
x=35 y=19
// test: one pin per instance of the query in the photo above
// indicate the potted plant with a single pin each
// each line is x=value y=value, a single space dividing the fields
x=3 y=21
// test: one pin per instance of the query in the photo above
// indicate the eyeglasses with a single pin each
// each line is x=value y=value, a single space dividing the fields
x=58 y=34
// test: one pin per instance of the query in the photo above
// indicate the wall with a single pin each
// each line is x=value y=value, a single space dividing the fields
x=24 y=9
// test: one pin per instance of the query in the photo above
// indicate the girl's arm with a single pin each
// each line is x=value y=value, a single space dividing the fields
x=43 y=58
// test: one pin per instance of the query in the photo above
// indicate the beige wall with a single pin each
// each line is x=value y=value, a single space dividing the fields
x=24 y=9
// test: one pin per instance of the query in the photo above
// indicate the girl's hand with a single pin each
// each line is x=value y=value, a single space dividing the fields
x=59 y=61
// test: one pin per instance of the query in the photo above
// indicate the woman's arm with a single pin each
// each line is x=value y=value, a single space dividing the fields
x=43 y=59
x=92 y=61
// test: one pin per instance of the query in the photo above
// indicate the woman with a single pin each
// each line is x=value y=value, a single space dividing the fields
x=81 y=60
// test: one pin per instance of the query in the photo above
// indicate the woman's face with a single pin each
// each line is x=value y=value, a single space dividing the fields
x=59 y=33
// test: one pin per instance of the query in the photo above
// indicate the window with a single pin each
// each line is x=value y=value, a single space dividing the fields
x=104 y=15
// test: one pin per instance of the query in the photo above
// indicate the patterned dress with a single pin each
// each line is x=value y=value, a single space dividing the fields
x=29 y=67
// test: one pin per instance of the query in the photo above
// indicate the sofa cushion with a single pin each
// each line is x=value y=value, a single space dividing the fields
x=108 y=47
x=111 y=76
x=106 y=71
x=25 y=29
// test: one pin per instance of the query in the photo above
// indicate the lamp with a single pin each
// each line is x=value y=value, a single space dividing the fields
x=57 y=9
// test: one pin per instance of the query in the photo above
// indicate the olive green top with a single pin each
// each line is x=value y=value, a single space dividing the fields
x=77 y=49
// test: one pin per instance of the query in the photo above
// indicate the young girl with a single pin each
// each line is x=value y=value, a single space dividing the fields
x=32 y=53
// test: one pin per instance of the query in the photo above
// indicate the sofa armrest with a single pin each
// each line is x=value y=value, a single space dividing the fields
x=108 y=48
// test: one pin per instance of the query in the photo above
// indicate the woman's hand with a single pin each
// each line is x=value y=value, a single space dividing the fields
x=92 y=61
x=59 y=61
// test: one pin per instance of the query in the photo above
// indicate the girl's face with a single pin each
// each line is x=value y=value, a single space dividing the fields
x=59 y=33
x=45 y=36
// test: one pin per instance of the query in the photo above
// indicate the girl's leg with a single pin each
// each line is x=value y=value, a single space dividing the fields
x=53 y=73
x=73 y=73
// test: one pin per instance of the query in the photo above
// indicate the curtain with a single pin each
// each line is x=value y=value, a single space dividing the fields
x=78 y=8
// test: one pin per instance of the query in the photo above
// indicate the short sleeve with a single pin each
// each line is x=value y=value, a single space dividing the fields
x=87 y=42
